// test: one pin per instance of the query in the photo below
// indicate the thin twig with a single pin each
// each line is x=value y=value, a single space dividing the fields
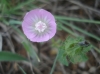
x=2 y=69
x=63 y=70
x=54 y=64
x=96 y=57
x=83 y=6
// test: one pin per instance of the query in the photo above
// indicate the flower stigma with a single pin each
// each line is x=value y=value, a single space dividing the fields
x=40 y=26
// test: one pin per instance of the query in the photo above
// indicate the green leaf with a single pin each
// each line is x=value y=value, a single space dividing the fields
x=64 y=61
x=71 y=49
x=31 y=51
x=80 y=30
x=78 y=58
x=22 y=70
x=27 y=45
x=62 y=58
x=20 y=5
x=76 y=19
x=61 y=27
x=9 y=56
x=1 y=42
x=14 y=22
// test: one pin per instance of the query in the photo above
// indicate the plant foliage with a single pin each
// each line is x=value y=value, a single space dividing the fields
x=73 y=50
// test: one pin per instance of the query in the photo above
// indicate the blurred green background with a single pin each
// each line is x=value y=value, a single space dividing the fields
x=73 y=17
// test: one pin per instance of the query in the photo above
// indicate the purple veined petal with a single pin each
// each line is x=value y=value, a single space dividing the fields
x=29 y=20
x=29 y=35
x=40 y=13
x=28 y=30
x=41 y=38
x=31 y=23
x=52 y=31
x=29 y=17
x=47 y=15
x=33 y=14
x=47 y=35
x=46 y=20
x=27 y=23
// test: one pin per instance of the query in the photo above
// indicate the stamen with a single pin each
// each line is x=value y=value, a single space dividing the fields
x=40 y=26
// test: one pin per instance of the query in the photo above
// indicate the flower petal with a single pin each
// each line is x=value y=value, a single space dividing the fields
x=33 y=17
x=41 y=38
x=52 y=29
x=28 y=30
x=46 y=15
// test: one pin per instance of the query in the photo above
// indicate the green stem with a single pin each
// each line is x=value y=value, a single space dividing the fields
x=54 y=64
x=77 y=19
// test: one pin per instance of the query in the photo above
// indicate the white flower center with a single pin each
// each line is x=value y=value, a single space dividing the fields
x=40 y=26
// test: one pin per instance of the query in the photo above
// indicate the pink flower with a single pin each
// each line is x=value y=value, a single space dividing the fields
x=39 y=25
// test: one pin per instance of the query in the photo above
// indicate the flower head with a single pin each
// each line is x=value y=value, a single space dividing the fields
x=39 y=25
